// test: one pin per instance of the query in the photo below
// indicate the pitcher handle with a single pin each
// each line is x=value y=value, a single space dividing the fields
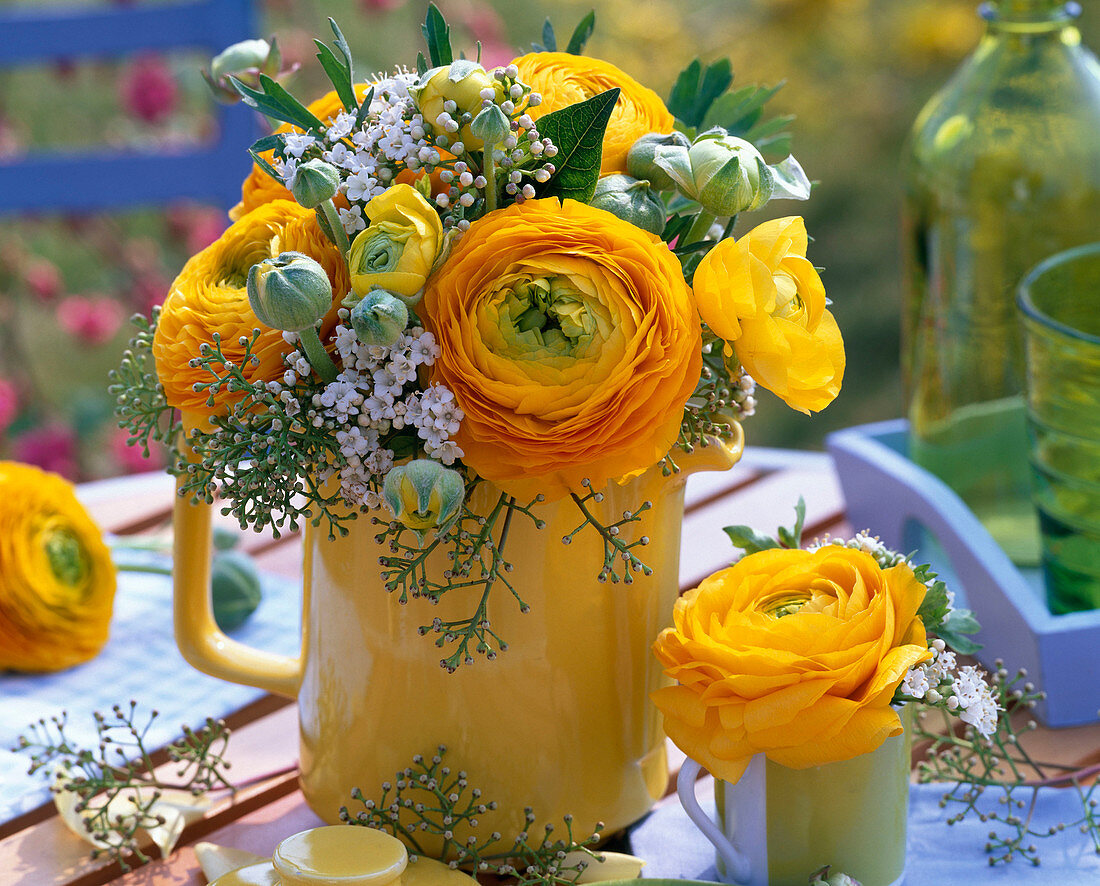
x=203 y=645
x=737 y=865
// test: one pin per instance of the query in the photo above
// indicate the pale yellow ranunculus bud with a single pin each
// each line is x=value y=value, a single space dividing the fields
x=461 y=82
x=398 y=249
x=423 y=495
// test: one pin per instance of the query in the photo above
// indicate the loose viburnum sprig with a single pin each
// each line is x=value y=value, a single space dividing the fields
x=140 y=403
x=1000 y=767
x=428 y=799
x=261 y=456
x=475 y=546
x=121 y=765
x=616 y=549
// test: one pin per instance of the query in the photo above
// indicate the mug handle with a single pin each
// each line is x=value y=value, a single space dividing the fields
x=200 y=641
x=737 y=865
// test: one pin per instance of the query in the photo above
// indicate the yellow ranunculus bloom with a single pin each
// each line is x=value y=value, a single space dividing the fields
x=569 y=340
x=793 y=654
x=765 y=300
x=564 y=79
x=397 y=249
x=210 y=296
x=57 y=581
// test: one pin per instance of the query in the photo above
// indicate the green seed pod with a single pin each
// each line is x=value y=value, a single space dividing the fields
x=490 y=126
x=640 y=158
x=234 y=589
x=631 y=200
x=423 y=495
x=314 y=182
x=379 y=318
x=291 y=292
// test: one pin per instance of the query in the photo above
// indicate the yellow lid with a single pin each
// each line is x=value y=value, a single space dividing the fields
x=340 y=855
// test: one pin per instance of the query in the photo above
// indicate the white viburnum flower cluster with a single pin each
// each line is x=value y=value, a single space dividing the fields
x=374 y=394
x=962 y=691
x=394 y=136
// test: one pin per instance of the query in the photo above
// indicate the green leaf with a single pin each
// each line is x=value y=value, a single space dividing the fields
x=934 y=608
x=549 y=39
x=696 y=90
x=364 y=107
x=953 y=631
x=740 y=111
x=682 y=97
x=345 y=50
x=792 y=538
x=274 y=142
x=437 y=34
x=581 y=33
x=338 y=74
x=676 y=226
x=746 y=539
x=265 y=166
x=277 y=103
x=421 y=65
x=577 y=132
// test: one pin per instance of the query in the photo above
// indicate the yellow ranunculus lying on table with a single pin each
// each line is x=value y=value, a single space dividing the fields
x=790 y=653
x=57 y=581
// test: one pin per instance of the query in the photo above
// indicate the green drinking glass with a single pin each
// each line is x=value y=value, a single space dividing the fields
x=1059 y=305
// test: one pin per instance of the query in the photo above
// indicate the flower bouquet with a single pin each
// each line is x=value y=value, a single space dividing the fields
x=464 y=315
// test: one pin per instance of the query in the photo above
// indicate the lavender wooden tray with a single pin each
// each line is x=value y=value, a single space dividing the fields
x=902 y=503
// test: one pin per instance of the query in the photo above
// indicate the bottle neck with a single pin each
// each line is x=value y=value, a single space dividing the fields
x=1031 y=16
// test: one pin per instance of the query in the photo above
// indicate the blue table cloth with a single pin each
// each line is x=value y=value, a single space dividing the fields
x=140 y=662
x=937 y=854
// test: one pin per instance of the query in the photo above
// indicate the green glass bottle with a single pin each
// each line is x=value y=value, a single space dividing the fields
x=1002 y=170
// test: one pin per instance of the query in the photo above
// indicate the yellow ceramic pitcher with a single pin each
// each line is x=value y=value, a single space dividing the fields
x=561 y=721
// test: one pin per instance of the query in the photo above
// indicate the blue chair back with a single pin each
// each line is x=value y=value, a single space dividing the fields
x=99 y=179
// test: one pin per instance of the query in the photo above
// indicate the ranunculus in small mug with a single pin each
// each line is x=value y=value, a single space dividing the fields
x=786 y=665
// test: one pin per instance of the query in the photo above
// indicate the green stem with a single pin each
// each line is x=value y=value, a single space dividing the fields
x=149 y=570
x=317 y=355
x=699 y=229
x=489 y=170
x=333 y=219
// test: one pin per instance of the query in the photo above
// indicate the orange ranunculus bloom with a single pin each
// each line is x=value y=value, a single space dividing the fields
x=766 y=301
x=793 y=654
x=569 y=340
x=209 y=296
x=57 y=581
x=564 y=79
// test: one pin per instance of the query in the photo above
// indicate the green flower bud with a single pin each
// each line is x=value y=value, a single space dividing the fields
x=729 y=174
x=234 y=589
x=640 y=158
x=244 y=61
x=491 y=126
x=379 y=318
x=631 y=200
x=314 y=182
x=291 y=292
x=423 y=495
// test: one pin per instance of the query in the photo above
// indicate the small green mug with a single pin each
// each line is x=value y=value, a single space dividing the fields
x=776 y=825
